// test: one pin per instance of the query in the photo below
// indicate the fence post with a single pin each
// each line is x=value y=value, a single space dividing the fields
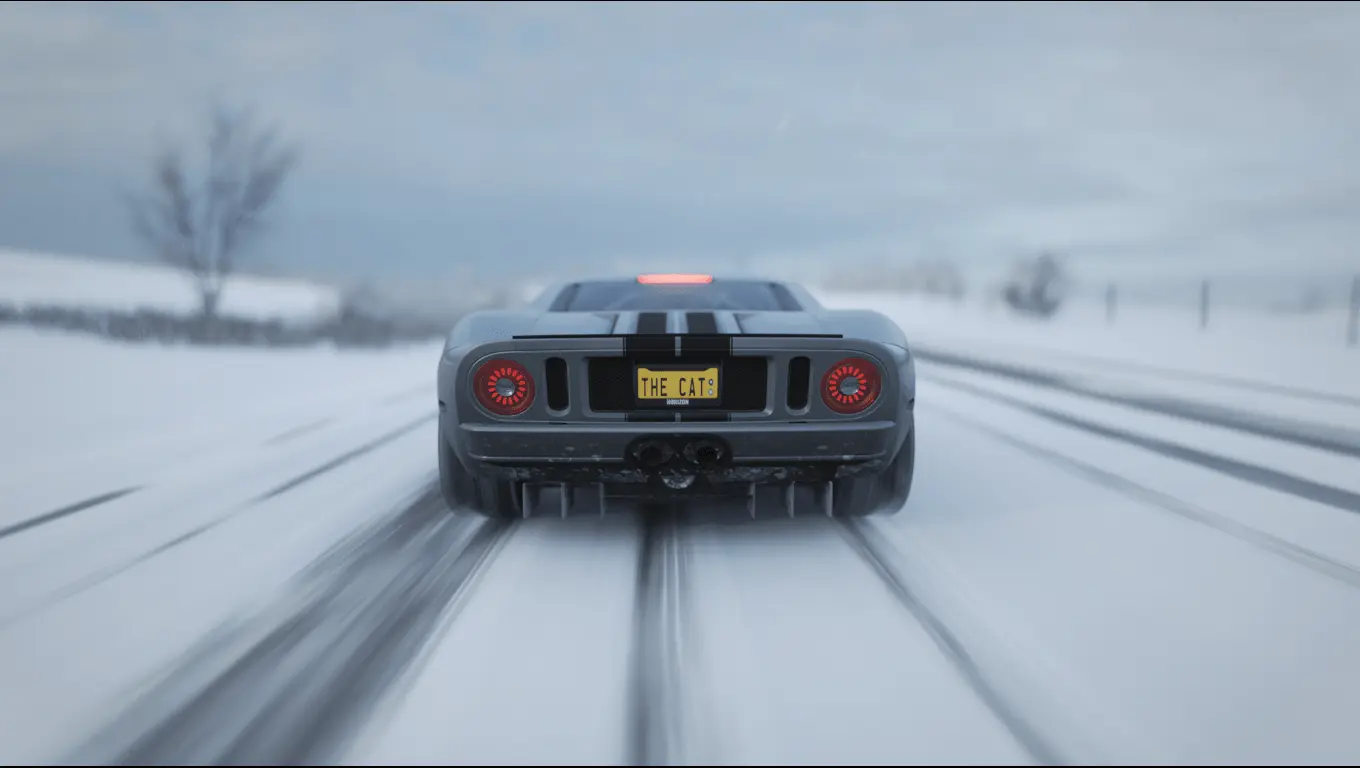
x=1111 y=297
x=1204 y=305
x=1353 y=324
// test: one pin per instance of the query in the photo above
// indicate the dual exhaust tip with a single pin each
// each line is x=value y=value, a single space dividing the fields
x=706 y=454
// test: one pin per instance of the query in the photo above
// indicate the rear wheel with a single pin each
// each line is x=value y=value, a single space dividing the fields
x=885 y=492
x=464 y=492
x=498 y=498
x=457 y=486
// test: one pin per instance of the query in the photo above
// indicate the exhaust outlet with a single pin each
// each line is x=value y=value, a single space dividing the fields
x=706 y=453
x=651 y=454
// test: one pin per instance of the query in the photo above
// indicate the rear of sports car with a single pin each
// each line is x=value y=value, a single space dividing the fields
x=669 y=404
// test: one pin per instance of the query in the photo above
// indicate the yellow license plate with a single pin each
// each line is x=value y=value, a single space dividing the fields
x=677 y=387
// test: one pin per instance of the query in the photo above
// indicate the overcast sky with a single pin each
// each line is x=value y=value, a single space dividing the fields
x=532 y=138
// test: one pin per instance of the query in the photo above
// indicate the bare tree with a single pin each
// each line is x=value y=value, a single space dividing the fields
x=202 y=228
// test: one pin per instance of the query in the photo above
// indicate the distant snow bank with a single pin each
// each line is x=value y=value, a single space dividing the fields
x=46 y=392
x=1286 y=349
x=34 y=279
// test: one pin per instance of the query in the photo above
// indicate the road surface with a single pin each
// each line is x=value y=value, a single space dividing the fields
x=1091 y=569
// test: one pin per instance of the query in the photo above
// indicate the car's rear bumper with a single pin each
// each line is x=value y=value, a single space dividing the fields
x=753 y=452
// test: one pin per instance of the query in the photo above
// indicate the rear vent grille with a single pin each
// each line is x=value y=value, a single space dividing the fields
x=800 y=381
x=558 y=393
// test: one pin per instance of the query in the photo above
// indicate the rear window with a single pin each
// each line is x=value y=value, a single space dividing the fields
x=629 y=295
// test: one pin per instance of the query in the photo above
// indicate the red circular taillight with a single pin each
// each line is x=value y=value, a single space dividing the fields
x=851 y=385
x=503 y=387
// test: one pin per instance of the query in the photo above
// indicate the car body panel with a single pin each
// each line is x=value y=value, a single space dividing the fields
x=586 y=442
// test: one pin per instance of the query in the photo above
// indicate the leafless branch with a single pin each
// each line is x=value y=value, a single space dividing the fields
x=203 y=230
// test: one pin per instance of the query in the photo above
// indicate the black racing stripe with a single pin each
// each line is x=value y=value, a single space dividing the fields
x=650 y=337
x=649 y=345
x=701 y=322
x=701 y=344
x=650 y=323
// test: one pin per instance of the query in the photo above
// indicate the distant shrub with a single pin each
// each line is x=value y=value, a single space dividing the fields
x=351 y=328
x=1037 y=286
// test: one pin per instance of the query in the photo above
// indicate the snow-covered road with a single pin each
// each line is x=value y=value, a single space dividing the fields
x=1094 y=567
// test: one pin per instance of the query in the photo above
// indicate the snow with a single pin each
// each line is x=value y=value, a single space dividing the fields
x=32 y=279
x=1311 y=463
x=1301 y=351
x=115 y=414
x=1318 y=528
x=197 y=427
x=544 y=640
x=1134 y=608
x=810 y=661
x=1203 y=648
x=70 y=666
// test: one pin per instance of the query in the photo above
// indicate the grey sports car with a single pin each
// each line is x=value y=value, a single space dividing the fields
x=661 y=388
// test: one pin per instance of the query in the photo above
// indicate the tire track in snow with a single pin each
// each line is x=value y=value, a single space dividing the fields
x=66 y=511
x=345 y=458
x=1335 y=440
x=312 y=426
x=299 y=431
x=96 y=578
x=669 y=720
x=926 y=353
x=294 y=685
x=110 y=496
x=655 y=733
x=876 y=554
x=1330 y=495
x=1314 y=561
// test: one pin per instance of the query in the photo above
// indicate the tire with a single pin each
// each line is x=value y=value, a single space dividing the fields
x=456 y=485
x=463 y=492
x=498 y=498
x=885 y=492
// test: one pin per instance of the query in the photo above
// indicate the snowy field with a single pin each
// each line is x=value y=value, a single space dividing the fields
x=1136 y=544
x=63 y=281
x=1303 y=351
